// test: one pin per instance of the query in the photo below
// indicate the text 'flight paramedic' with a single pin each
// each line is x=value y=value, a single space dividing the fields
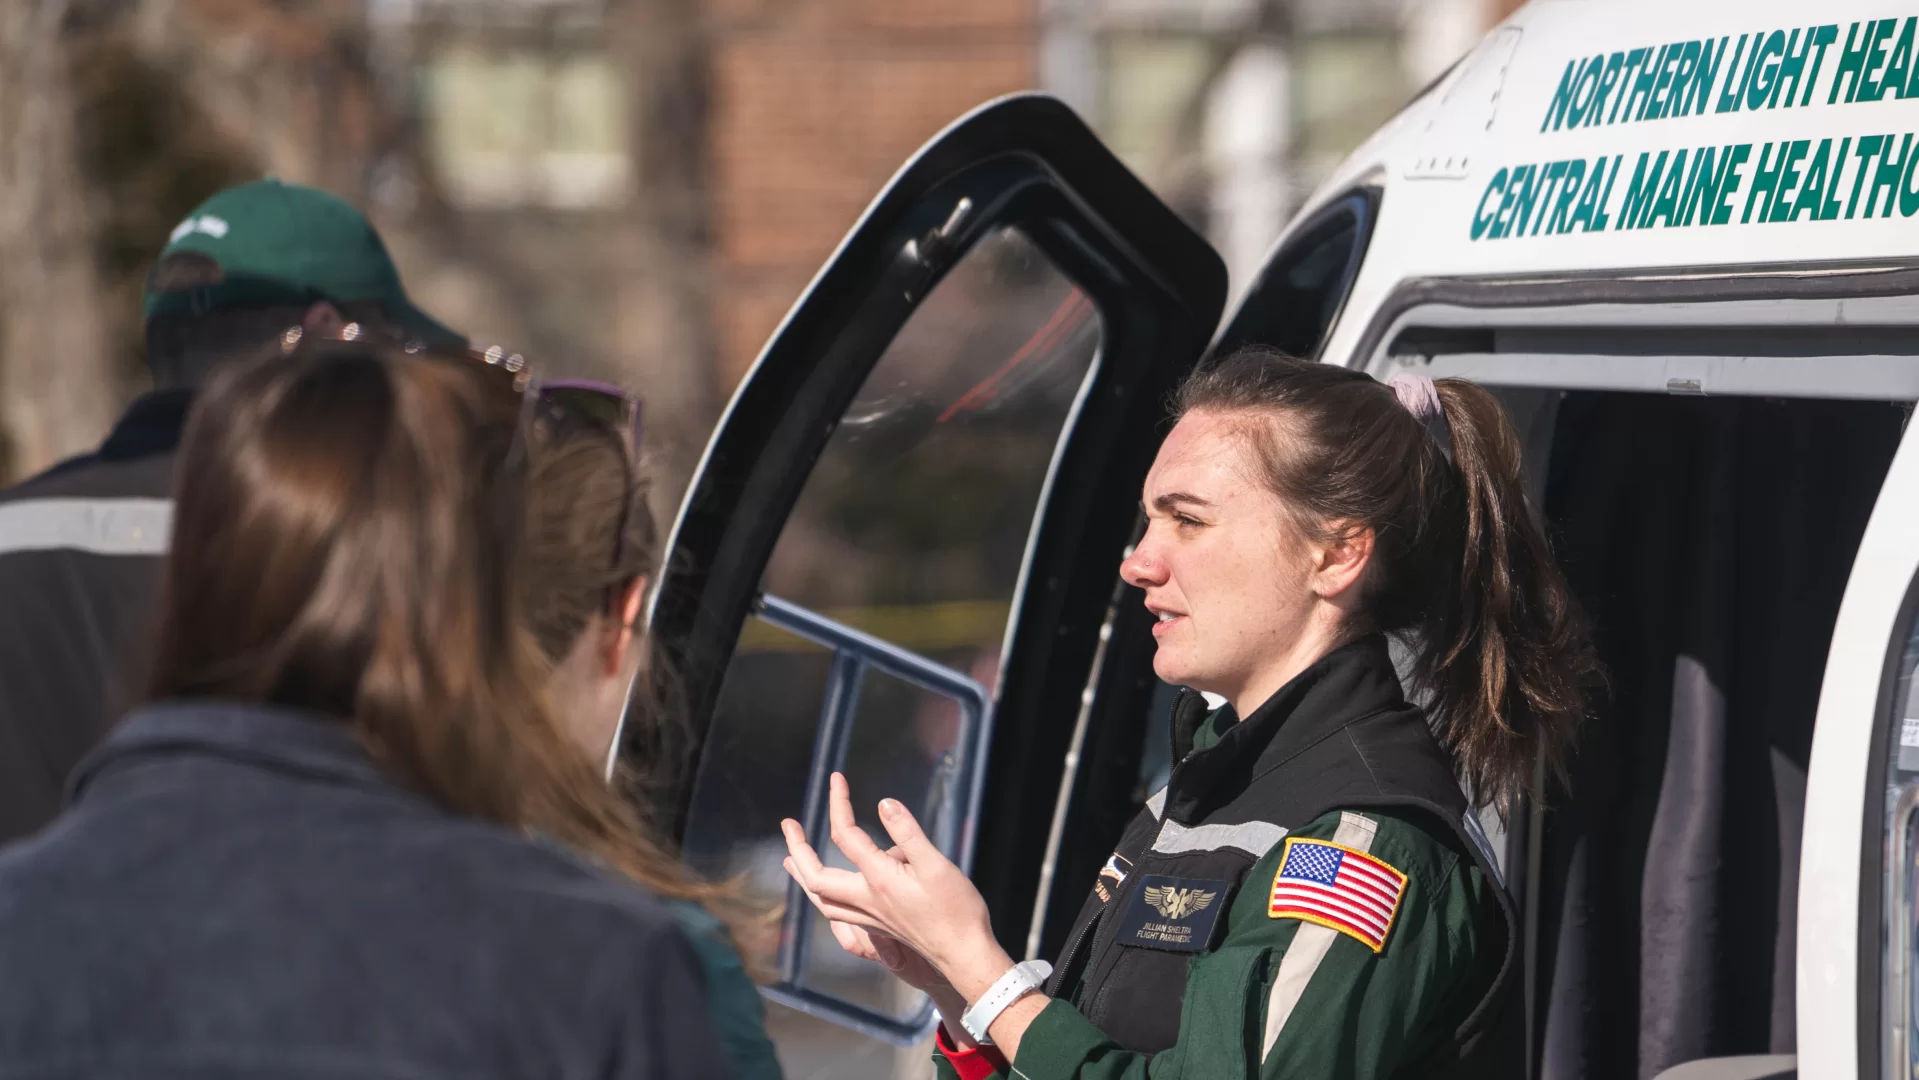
x=81 y=544
x=1310 y=895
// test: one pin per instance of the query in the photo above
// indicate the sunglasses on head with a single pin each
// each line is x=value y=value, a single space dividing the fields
x=563 y=408
x=557 y=409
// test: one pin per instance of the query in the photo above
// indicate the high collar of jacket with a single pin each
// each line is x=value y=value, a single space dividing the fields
x=302 y=744
x=151 y=425
x=1354 y=681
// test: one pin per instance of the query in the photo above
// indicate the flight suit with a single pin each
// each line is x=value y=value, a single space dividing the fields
x=1309 y=897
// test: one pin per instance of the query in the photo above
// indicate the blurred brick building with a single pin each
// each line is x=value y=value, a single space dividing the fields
x=816 y=103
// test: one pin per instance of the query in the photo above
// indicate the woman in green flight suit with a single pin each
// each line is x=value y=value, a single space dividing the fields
x=1310 y=895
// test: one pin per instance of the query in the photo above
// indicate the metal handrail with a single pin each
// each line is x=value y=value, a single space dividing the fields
x=1899 y=909
x=854 y=651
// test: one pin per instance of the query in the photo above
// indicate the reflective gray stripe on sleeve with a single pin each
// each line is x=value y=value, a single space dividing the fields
x=1157 y=803
x=1255 y=838
x=1311 y=940
x=1477 y=833
x=97 y=526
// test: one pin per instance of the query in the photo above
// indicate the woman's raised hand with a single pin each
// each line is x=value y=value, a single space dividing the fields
x=909 y=898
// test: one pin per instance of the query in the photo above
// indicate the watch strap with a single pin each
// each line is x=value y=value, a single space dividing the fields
x=1018 y=981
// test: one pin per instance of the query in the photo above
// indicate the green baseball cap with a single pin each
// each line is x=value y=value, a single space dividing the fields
x=280 y=243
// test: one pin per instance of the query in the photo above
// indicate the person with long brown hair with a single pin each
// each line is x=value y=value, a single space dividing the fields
x=1311 y=894
x=590 y=549
x=346 y=834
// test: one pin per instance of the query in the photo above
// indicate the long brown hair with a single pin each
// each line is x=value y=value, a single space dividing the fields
x=586 y=504
x=1460 y=568
x=347 y=541
x=589 y=535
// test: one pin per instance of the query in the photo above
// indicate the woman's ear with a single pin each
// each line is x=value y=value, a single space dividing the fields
x=1342 y=561
x=622 y=633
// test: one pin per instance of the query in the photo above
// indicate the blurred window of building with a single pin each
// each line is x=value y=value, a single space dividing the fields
x=525 y=124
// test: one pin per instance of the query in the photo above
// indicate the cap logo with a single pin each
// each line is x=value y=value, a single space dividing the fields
x=204 y=223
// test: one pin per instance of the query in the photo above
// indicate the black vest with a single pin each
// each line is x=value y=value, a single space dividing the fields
x=1340 y=736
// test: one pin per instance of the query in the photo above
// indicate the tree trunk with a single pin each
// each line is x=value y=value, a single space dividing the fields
x=661 y=335
x=58 y=384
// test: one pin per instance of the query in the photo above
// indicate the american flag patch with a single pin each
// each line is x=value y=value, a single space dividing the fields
x=1335 y=886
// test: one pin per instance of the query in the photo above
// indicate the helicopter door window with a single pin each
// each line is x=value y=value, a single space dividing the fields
x=875 y=649
x=1292 y=305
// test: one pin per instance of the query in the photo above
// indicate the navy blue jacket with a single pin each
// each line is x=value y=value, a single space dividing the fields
x=239 y=891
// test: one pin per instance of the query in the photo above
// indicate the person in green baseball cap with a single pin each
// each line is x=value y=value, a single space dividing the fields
x=80 y=545
x=255 y=260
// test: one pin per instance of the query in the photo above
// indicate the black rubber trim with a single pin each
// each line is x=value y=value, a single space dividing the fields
x=1361 y=206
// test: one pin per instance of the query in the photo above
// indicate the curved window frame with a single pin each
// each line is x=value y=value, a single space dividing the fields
x=1359 y=207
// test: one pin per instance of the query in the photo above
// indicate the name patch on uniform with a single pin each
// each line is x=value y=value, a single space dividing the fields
x=1173 y=913
x=1337 y=887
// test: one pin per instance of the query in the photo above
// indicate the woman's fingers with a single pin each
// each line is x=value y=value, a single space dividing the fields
x=905 y=831
x=852 y=839
x=801 y=852
x=854 y=940
x=834 y=886
x=831 y=907
x=888 y=951
x=824 y=885
x=807 y=868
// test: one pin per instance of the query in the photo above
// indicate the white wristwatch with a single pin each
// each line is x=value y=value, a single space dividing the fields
x=1008 y=988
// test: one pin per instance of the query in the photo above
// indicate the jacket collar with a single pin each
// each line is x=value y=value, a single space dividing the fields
x=303 y=744
x=1350 y=683
x=151 y=425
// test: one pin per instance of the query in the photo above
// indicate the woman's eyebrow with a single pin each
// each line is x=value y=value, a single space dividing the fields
x=1171 y=499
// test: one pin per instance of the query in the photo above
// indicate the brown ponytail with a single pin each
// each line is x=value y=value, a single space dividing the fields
x=348 y=542
x=1460 y=570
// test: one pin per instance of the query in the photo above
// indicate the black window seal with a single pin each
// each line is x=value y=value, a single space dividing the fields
x=1361 y=203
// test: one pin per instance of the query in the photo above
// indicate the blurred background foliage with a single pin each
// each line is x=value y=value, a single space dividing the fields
x=635 y=188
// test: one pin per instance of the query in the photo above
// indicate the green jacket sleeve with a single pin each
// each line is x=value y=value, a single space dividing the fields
x=1284 y=999
x=739 y=1016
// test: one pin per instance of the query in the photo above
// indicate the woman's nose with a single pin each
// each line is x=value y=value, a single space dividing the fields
x=1142 y=568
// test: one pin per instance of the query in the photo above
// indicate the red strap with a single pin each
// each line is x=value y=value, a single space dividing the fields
x=975 y=1063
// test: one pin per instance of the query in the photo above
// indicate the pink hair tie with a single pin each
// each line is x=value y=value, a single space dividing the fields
x=1418 y=395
